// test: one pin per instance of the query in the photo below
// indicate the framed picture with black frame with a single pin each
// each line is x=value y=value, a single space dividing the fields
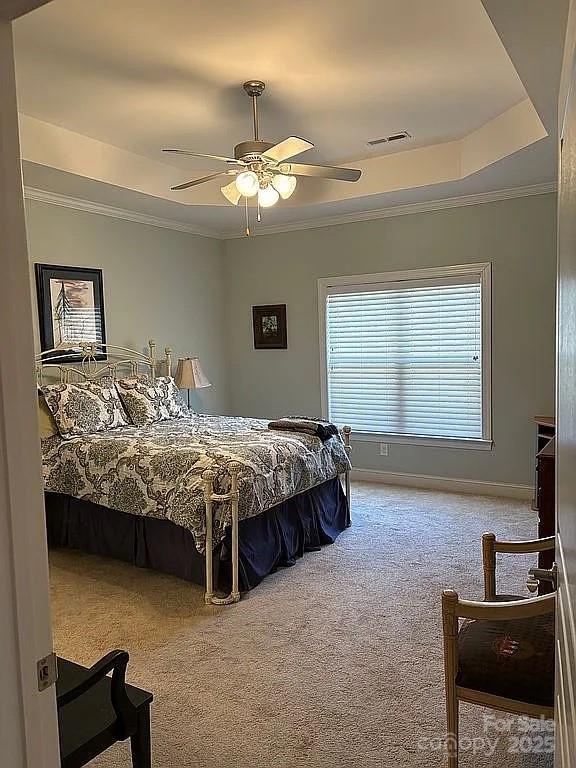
x=70 y=311
x=269 y=324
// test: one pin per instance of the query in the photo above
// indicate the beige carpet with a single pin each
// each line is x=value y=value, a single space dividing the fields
x=334 y=662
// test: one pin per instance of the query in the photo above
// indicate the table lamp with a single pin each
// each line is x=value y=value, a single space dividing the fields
x=189 y=375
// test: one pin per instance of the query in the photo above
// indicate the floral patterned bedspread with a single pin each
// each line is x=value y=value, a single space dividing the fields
x=157 y=469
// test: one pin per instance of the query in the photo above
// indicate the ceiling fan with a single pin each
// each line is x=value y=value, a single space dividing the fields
x=260 y=167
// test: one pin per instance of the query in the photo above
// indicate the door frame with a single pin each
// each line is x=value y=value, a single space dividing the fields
x=565 y=710
x=28 y=726
x=28 y=722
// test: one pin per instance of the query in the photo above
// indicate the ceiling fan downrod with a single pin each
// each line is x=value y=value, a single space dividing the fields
x=254 y=89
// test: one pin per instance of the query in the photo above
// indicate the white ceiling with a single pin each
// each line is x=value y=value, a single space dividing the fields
x=138 y=75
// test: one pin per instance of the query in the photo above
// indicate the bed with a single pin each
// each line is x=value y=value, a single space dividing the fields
x=214 y=499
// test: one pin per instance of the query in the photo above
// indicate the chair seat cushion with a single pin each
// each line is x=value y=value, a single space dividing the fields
x=514 y=659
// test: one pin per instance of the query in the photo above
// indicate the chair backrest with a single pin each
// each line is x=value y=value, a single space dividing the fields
x=126 y=713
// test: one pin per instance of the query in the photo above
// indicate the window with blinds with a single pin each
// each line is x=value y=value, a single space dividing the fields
x=406 y=357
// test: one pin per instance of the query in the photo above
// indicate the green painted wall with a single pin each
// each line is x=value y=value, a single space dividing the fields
x=517 y=236
x=158 y=283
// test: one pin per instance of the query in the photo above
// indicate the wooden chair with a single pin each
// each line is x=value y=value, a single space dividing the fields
x=95 y=711
x=490 y=546
x=502 y=656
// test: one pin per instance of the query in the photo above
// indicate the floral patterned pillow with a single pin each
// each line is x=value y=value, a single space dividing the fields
x=85 y=407
x=147 y=402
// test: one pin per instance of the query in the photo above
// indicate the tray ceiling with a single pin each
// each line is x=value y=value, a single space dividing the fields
x=103 y=86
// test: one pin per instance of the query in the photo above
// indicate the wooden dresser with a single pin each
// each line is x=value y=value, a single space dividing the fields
x=545 y=485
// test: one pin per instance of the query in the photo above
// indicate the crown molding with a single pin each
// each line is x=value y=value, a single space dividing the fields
x=404 y=210
x=79 y=204
x=102 y=209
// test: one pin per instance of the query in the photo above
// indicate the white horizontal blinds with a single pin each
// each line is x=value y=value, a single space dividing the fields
x=406 y=358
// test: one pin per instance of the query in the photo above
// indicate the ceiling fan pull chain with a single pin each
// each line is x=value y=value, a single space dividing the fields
x=247 y=230
x=259 y=217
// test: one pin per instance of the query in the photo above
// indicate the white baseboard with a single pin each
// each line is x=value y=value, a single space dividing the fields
x=477 y=487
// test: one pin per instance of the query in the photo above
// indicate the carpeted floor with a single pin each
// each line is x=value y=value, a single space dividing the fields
x=334 y=662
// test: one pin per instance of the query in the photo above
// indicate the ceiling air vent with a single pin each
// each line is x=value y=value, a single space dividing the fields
x=400 y=136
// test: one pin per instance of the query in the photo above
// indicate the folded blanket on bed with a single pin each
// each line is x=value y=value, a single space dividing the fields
x=316 y=427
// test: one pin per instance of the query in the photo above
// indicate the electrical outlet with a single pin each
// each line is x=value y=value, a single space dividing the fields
x=383 y=449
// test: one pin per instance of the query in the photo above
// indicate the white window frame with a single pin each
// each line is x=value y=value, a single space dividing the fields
x=483 y=270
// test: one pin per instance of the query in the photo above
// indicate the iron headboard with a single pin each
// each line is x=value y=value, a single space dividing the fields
x=119 y=362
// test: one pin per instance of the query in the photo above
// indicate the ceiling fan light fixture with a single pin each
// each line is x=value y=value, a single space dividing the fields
x=247 y=183
x=284 y=185
x=268 y=196
x=230 y=192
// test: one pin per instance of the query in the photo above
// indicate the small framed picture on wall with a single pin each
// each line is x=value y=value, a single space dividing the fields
x=70 y=310
x=269 y=323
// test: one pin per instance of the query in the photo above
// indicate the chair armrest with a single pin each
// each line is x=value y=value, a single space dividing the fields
x=491 y=545
x=453 y=606
x=115 y=662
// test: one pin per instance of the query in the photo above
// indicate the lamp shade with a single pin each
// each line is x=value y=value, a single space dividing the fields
x=189 y=374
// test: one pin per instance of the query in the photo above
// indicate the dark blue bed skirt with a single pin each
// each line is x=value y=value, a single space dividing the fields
x=277 y=537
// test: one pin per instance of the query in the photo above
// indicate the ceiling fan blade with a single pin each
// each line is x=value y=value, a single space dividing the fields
x=201 y=180
x=321 y=171
x=287 y=148
x=230 y=192
x=201 y=154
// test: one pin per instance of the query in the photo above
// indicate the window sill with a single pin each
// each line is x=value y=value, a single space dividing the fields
x=466 y=443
